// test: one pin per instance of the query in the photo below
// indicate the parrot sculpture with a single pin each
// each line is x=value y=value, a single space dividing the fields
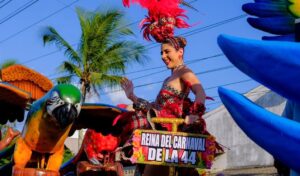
x=47 y=126
x=50 y=120
x=275 y=64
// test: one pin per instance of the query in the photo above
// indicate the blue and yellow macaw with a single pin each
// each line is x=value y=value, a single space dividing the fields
x=48 y=124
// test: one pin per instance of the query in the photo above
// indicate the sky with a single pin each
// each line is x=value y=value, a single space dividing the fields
x=22 y=23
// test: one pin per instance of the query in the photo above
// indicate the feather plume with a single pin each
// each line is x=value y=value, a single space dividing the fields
x=163 y=16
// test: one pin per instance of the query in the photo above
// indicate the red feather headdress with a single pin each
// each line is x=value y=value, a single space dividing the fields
x=163 y=17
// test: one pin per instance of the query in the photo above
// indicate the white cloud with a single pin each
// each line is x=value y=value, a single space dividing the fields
x=92 y=97
x=150 y=87
x=118 y=97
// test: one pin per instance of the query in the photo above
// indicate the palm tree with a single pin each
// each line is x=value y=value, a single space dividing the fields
x=102 y=53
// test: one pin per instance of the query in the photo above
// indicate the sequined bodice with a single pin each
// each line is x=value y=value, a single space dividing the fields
x=170 y=102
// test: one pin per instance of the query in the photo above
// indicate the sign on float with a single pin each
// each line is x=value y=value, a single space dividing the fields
x=172 y=149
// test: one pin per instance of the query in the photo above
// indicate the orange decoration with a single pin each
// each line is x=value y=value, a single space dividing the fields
x=27 y=79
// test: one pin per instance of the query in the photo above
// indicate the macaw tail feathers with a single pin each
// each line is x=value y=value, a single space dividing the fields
x=275 y=17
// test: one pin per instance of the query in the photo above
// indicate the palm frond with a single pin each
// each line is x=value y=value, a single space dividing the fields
x=96 y=90
x=110 y=60
x=85 y=29
x=64 y=79
x=100 y=79
x=122 y=52
x=51 y=36
x=103 y=30
x=135 y=52
x=188 y=5
x=130 y=52
x=103 y=51
x=70 y=68
x=126 y=32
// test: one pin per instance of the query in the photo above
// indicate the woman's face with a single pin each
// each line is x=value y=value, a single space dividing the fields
x=170 y=56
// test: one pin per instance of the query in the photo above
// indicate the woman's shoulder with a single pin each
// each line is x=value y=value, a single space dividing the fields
x=185 y=71
x=188 y=76
x=186 y=68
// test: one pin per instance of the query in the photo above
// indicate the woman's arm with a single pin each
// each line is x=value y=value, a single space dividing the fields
x=127 y=86
x=197 y=109
x=190 y=78
x=138 y=103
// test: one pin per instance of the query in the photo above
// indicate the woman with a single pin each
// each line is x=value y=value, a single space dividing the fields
x=172 y=100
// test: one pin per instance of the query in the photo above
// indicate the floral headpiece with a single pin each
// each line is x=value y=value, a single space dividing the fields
x=163 y=17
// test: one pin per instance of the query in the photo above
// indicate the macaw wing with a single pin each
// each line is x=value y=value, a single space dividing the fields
x=274 y=16
x=98 y=117
x=20 y=87
x=13 y=102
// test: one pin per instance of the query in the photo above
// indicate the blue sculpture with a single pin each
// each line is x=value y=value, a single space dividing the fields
x=274 y=64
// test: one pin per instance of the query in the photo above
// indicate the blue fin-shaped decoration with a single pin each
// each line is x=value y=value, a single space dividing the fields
x=272 y=63
x=264 y=9
x=270 y=1
x=289 y=37
x=275 y=25
x=275 y=134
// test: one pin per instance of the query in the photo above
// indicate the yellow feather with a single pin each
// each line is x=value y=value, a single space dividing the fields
x=295 y=7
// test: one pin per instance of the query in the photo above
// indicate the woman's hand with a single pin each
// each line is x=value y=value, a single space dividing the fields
x=190 y=119
x=127 y=86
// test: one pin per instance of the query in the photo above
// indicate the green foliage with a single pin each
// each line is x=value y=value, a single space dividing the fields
x=7 y=157
x=5 y=160
x=67 y=155
x=103 y=51
x=7 y=63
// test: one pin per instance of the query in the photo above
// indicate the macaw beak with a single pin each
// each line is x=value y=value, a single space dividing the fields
x=65 y=114
x=68 y=107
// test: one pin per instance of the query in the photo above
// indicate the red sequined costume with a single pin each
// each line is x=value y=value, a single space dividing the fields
x=170 y=103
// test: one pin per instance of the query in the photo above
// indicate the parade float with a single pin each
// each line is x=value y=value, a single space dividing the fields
x=274 y=63
x=56 y=112
x=54 y=116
